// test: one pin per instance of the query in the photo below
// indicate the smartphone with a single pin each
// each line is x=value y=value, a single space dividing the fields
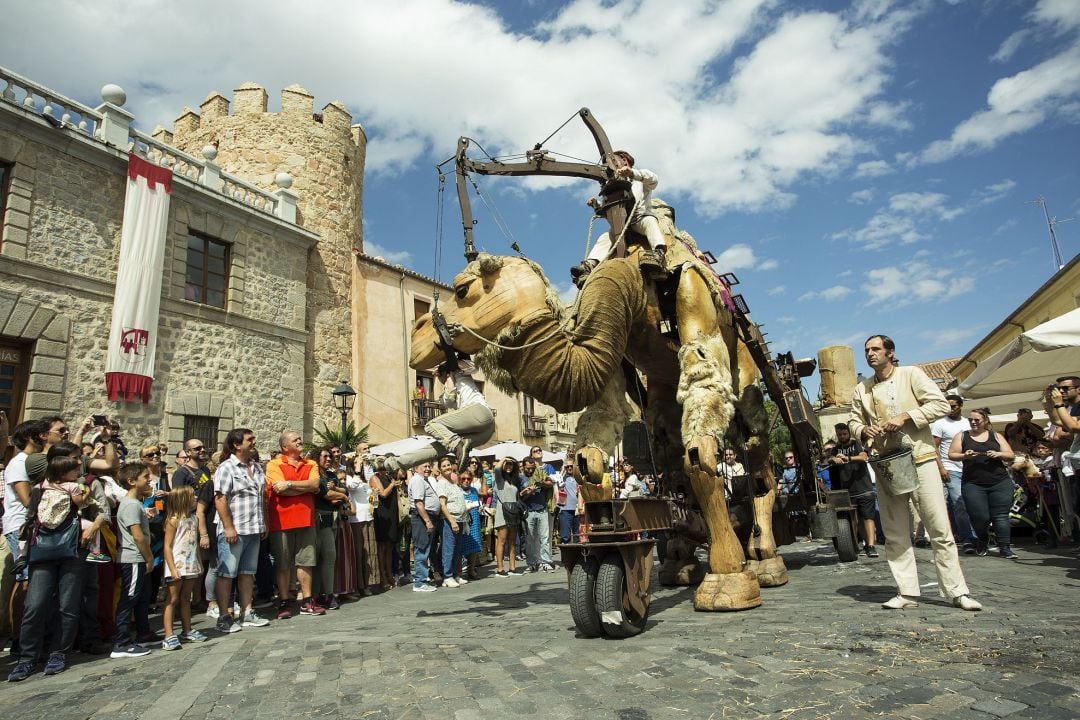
x=99 y=420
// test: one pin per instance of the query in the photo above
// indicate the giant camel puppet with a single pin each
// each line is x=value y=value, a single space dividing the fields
x=700 y=381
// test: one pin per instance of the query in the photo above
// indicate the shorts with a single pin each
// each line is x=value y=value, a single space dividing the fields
x=239 y=558
x=865 y=504
x=13 y=546
x=293 y=548
x=169 y=581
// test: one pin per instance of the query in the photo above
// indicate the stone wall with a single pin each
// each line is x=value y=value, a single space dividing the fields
x=324 y=152
x=244 y=364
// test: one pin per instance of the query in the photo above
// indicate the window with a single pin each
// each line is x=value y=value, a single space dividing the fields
x=14 y=368
x=420 y=308
x=204 y=428
x=532 y=424
x=207 y=277
x=5 y=185
x=425 y=385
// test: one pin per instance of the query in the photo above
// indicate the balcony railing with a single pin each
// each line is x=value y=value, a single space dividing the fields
x=533 y=425
x=423 y=411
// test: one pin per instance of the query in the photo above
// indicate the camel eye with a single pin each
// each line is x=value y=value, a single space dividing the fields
x=461 y=291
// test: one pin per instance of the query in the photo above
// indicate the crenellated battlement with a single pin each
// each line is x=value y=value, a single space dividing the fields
x=250 y=101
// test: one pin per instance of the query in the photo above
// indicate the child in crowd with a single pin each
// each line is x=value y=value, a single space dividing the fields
x=182 y=567
x=136 y=561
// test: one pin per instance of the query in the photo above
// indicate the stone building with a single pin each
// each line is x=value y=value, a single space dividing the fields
x=268 y=299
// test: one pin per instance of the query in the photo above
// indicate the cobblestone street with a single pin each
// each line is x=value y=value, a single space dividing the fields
x=819 y=647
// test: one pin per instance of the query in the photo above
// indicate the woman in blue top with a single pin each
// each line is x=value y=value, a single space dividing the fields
x=470 y=542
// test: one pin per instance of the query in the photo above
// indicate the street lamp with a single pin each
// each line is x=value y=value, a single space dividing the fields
x=344 y=396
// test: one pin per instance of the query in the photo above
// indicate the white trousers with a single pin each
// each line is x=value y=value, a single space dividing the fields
x=648 y=226
x=896 y=522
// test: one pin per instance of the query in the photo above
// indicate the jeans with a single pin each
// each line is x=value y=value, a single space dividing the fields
x=990 y=503
x=325 y=555
x=55 y=581
x=134 y=599
x=89 y=627
x=961 y=521
x=451 y=549
x=422 y=545
x=568 y=526
x=537 y=537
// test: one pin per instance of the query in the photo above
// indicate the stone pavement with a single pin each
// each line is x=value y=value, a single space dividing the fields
x=819 y=647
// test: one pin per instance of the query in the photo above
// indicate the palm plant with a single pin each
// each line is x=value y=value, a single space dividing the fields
x=332 y=436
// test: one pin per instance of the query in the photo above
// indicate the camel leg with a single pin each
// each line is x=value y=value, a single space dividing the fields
x=680 y=566
x=706 y=395
x=763 y=559
x=599 y=430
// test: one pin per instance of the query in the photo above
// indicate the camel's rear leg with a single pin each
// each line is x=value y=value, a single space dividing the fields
x=706 y=395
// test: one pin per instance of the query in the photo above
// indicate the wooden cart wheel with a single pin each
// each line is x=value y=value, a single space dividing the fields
x=619 y=620
x=582 y=598
x=844 y=542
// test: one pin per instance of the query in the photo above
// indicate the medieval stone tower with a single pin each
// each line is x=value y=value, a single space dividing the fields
x=324 y=152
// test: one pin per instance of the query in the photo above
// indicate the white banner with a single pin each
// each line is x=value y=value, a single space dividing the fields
x=129 y=366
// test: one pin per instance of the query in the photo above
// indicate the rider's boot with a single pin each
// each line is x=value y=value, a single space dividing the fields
x=581 y=271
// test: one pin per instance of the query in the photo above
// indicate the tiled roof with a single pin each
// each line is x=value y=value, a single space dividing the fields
x=938 y=370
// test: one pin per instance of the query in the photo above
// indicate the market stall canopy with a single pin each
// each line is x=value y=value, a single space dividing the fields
x=1022 y=369
x=515 y=450
x=401 y=447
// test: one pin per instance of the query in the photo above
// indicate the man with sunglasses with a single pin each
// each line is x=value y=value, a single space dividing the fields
x=1062 y=404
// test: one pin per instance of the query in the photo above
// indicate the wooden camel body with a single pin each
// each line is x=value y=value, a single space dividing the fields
x=699 y=379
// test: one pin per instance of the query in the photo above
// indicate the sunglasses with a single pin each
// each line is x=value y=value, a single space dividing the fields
x=153 y=454
x=196 y=449
x=62 y=431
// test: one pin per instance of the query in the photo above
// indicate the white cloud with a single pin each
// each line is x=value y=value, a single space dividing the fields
x=784 y=319
x=836 y=292
x=1010 y=45
x=918 y=203
x=915 y=281
x=861 y=197
x=742 y=257
x=994 y=192
x=769 y=264
x=905 y=219
x=872 y=168
x=949 y=336
x=777 y=290
x=797 y=86
x=567 y=292
x=1022 y=101
x=394 y=257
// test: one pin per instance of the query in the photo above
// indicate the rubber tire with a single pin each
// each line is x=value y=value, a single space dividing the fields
x=610 y=594
x=582 y=599
x=844 y=542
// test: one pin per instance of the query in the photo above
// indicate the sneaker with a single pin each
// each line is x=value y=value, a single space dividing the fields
x=1007 y=553
x=871 y=551
x=98 y=557
x=21 y=671
x=226 y=625
x=213 y=612
x=515 y=573
x=94 y=647
x=964 y=602
x=57 y=663
x=532 y=569
x=170 y=643
x=252 y=619
x=501 y=573
x=284 y=611
x=129 y=651
x=423 y=588
x=969 y=548
x=310 y=607
x=460 y=580
x=236 y=609
x=329 y=602
x=982 y=550
x=150 y=638
x=193 y=636
x=899 y=603
x=450 y=583
x=922 y=543
x=547 y=567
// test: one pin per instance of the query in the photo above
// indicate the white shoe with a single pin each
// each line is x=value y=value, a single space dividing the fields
x=460 y=580
x=213 y=612
x=450 y=583
x=899 y=603
x=964 y=602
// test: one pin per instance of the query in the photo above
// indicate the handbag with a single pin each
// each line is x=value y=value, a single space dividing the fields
x=402 y=506
x=59 y=543
x=511 y=512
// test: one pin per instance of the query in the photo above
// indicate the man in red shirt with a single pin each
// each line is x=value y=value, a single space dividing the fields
x=291 y=485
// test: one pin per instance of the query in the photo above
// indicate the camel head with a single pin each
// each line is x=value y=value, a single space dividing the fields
x=492 y=294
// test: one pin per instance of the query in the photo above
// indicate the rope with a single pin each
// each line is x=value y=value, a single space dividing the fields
x=541 y=143
x=440 y=202
x=541 y=341
x=497 y=216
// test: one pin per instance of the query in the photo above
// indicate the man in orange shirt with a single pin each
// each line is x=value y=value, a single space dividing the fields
x=291 y=485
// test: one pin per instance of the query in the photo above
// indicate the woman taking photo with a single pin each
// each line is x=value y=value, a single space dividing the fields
x=387 y=486
x=507 y=513
x=986 y=486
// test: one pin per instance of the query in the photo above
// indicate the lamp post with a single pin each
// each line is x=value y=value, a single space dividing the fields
x=344 y=396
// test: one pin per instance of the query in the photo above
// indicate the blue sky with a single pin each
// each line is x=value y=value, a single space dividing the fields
x=862 y=166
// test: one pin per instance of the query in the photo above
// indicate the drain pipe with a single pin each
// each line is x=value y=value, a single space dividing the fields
x=405 y=347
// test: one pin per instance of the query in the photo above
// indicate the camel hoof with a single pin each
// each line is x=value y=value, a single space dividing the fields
x=770 y=572
x=682 y=575
x=731 y=591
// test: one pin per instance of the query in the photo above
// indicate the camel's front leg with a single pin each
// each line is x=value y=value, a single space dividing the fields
x=599 y=430
x=706 y=393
